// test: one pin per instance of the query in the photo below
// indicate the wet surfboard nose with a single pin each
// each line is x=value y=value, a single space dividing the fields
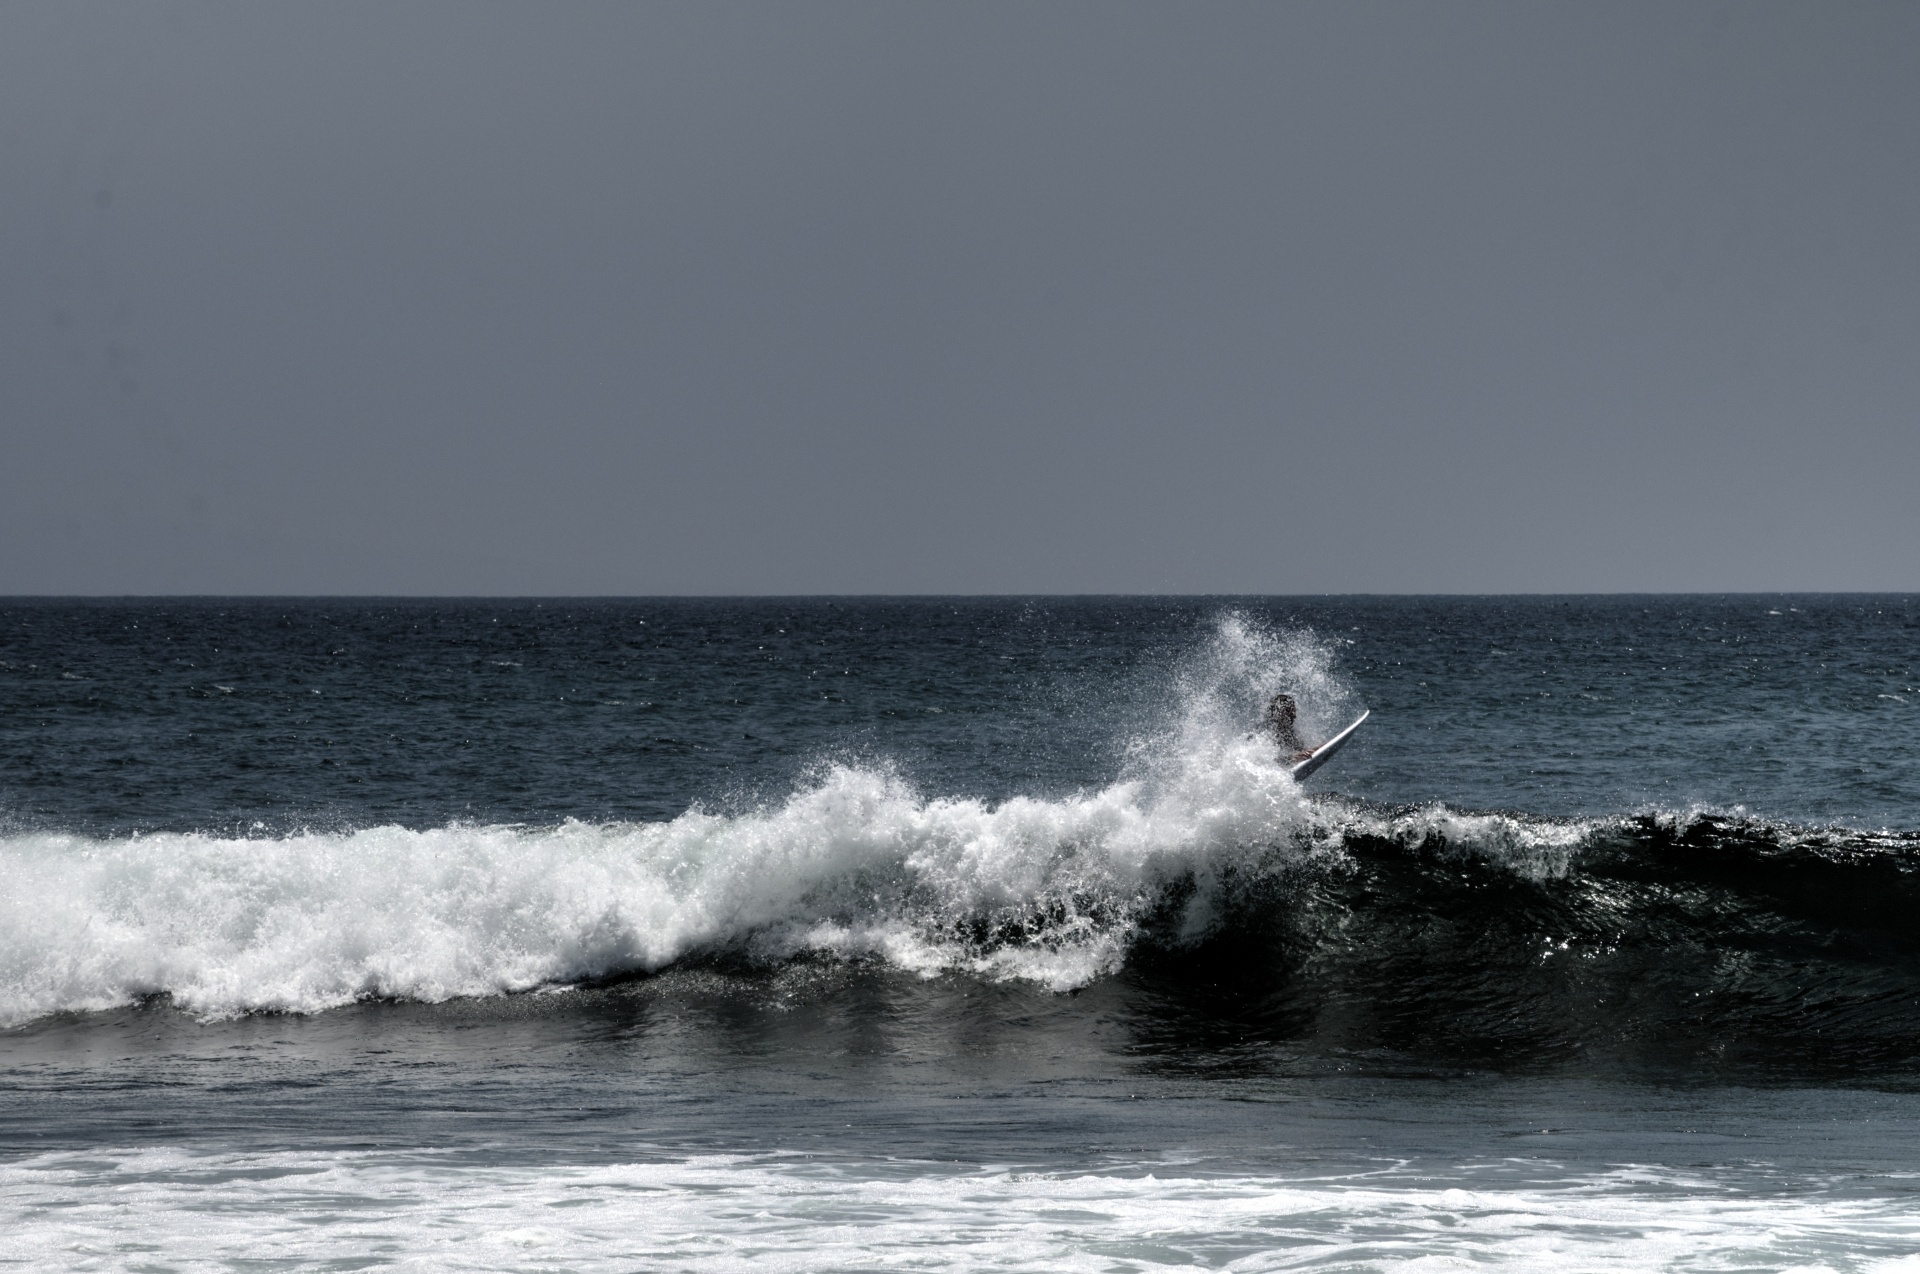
x=1324 y=753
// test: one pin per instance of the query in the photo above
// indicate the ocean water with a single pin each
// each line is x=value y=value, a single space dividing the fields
x=959 y=934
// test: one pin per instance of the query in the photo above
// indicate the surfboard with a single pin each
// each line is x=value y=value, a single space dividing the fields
x=1324 y=753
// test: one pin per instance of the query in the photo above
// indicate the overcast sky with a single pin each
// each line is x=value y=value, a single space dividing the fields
x=965 y=297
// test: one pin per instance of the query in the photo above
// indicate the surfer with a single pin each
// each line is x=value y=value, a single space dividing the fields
x=1281 y=711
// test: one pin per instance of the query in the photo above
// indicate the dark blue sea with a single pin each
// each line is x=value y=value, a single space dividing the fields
x=960 y=934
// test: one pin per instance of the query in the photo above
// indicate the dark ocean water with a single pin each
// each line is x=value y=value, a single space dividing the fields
x=951 y=933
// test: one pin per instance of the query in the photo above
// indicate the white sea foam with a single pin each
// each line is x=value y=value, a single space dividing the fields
x=175 y=1209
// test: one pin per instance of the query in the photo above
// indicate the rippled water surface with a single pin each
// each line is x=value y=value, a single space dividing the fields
x=837 y=933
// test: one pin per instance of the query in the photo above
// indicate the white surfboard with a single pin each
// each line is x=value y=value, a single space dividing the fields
x=1324 y=753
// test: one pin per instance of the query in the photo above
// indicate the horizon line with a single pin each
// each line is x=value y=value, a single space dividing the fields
x=982 y=596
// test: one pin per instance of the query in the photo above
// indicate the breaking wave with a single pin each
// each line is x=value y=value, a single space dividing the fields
x=1202 y=871
x=1241 y=870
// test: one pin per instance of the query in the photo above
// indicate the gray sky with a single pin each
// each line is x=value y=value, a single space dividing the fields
x=963 y=297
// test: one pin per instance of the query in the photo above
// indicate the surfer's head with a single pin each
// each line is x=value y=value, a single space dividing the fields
x=1281 y=712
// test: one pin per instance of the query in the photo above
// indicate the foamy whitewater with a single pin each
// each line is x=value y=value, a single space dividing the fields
x=858 y=865
x=939 y=935
x=729 y=1212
